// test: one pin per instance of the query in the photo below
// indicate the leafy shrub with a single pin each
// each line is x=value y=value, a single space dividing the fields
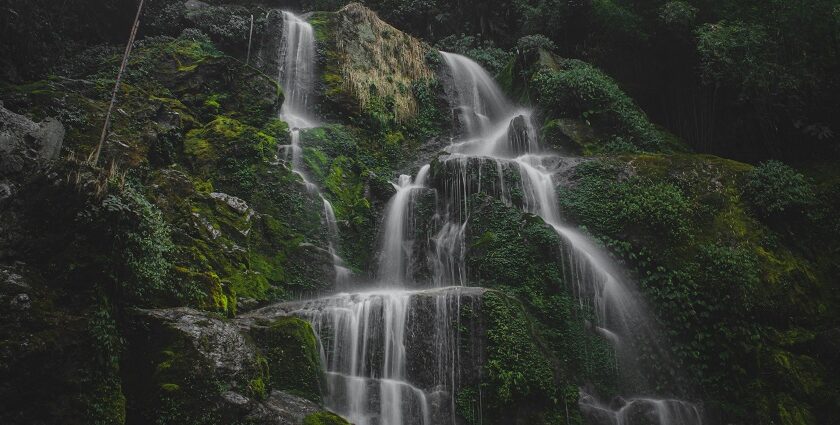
x=578 y=89
x=736 y=53
x=530 y=43
x=618 y=21
x=678 y=14
x=639 y=209
x=516 y=365
x=774 y=189
x=144 y=246
x=492 y=58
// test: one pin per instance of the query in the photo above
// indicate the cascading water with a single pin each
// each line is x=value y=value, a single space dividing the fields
x=393 y=356
x=510 y=143
x=296 y=76
x=396 y=248
x=364 y=336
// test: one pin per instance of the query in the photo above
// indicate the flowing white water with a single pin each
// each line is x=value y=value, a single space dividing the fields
x=297 y=71
x=363 y=335
x=297 y=78
x=392 y=356
x=497 y=133
x=375 y=345
x=397 y=243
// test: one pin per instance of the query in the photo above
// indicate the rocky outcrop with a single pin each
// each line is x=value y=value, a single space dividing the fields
x=567 y=135
x=192 y=365
x=367 y=60
x=23 y=140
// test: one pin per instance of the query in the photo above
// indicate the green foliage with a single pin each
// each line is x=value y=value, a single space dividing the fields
x=678 y=14
x=774 y=190
x=291 y=353
x=535 y=42
x=484 y=52
x=497 y=236
x=517 y=369
x=715 y=277
x=324 y=418
x=736 y=52
x=141 y=236
x=635 y=208
x=578 y=89
x=620 y=21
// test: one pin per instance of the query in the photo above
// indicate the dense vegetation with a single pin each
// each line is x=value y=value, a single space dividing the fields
x=189 y=217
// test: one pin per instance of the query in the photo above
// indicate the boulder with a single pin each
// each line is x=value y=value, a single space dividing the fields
x=188 y=364
x=567 y=135
x=22 y=140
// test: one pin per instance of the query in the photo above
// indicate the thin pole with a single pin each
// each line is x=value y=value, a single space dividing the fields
x=94 y=156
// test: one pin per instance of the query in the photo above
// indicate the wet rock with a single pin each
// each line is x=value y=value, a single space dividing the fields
x=20 y=302
x=237 y=204
x=246 y=304
x=195 y=4
x=22 y=140
x=235 y=398
x=6 y=191
x=291 y=351
x=519 y=139
x=203 y=366
x=569 y=136
x=282 y=408
x=191 y=361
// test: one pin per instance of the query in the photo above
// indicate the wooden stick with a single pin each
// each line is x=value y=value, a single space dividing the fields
x=94 y=156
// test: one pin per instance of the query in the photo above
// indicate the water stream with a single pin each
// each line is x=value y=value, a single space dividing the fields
x=393 y=355
x=494 y=131
x=297 y=78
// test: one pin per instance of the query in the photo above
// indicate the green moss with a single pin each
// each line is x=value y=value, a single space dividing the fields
x=324 y=418
x=291 y=352
x=198 y=148
x=517 y=368
x=170 y=387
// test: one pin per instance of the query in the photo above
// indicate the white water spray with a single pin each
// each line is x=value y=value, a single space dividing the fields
x=297 y=78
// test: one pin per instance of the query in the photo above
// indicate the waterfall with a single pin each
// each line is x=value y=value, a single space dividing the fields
x=396 y=250
x=386 y=353
x=297 y=78
x=364 y=337
x=509 y=142
x=397 y=356
x=297 y=71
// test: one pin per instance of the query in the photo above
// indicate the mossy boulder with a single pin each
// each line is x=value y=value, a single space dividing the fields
x=324 y=418
x=191 y=368
x=291 y=350
x=568 y=136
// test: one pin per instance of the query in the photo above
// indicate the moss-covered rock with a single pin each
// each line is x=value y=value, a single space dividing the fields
x=191 y=368
x=291 y=352
x=324 y=418
x=723 y=283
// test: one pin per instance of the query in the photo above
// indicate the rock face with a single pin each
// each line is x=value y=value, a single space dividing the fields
x=367 y=60
x=567 y=135
x=23 y=140
x=190 y=365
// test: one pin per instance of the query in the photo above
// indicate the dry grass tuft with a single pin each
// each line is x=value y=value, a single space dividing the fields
x=380 y=60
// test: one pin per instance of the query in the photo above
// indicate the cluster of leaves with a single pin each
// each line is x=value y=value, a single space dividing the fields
x=775 y=190
x=498 y=237
x=517 y=370
x=531 y=43
x=633 y=208
x=580 y=90
x=719 y=280
x=492 y=58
